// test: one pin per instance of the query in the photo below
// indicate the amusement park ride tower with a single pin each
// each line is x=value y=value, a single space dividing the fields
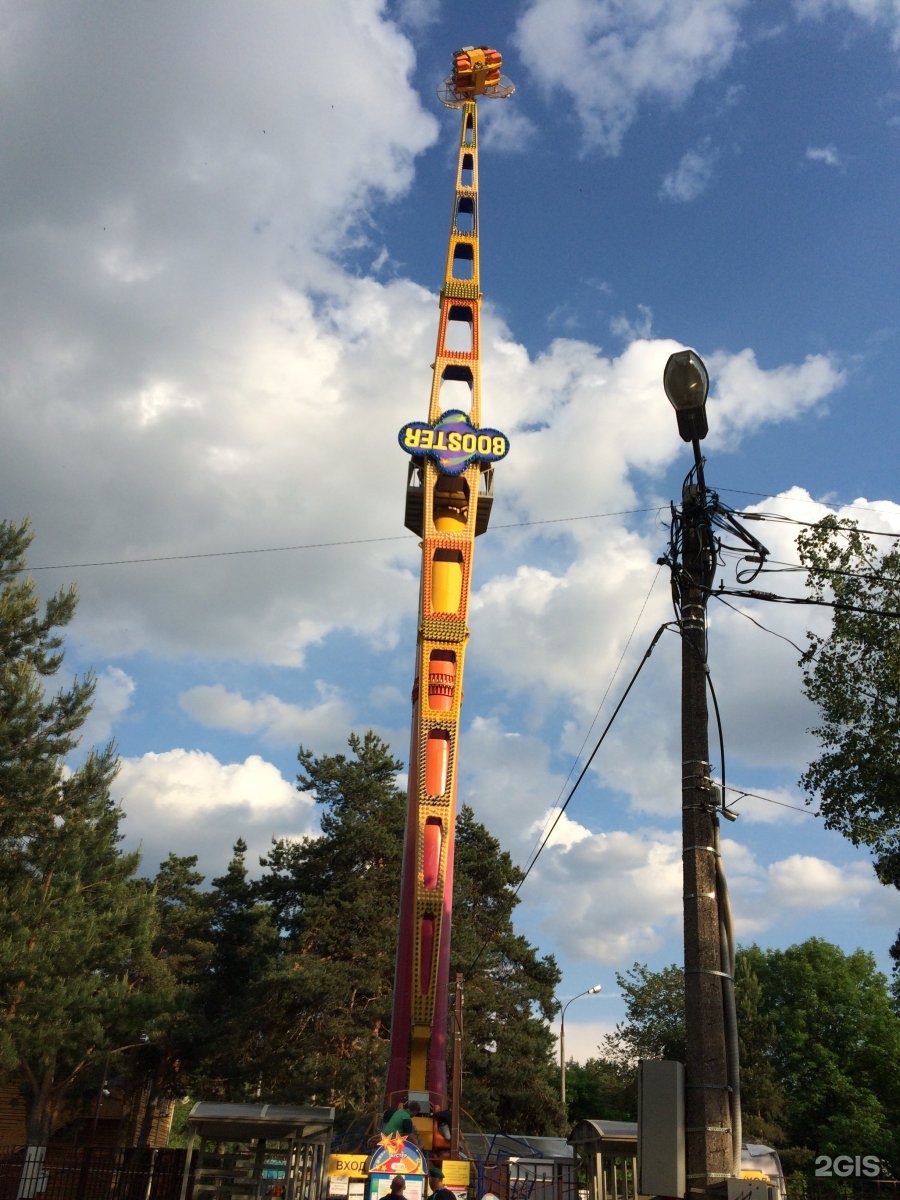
x=448 y=503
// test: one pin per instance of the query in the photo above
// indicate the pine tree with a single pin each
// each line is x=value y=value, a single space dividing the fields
x=336 y=900
x=75 y=923
x=509 y=1061
x=233 y=996
x=181 y=955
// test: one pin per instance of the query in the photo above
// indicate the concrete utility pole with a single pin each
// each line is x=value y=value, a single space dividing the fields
x=708 y=1130
x=709 y=1148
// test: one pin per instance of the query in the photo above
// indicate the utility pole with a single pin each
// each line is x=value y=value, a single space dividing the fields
x=712 y=1120
x=708 y=1129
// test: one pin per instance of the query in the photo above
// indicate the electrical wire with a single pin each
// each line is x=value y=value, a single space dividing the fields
x=612 y=679
x=546 y=838
x=781 y=519
x=743 y=794
x=718 y=596
x=400 y=537
x=593 y=753
x=731 y=491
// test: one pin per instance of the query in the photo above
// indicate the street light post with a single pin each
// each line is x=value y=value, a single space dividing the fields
x=591 y=991
x=709 y=1150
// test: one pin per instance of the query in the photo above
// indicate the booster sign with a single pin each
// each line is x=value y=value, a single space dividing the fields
x=453 y=442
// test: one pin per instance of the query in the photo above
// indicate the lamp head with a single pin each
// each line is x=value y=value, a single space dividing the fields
x=686 y=381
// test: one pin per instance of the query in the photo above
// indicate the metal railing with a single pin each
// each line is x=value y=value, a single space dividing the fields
x=94 y=1173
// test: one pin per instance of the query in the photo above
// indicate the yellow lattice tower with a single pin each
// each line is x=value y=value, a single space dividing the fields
x=449 y=496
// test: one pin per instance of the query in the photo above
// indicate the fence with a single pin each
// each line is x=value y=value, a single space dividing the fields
x=96 y=1173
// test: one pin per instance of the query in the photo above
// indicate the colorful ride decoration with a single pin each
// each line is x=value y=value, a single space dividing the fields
x=397 y=1155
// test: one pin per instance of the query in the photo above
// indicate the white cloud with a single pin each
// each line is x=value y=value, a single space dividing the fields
x=186 y=783
x=745 y=393
x=638 y=329
x=874 y=12
x=112 y=699
x=827 y=155
x=692 y=176
x=556 y=828
x=610 y=59
x=628 y=898
x=268 y=716
x=181 y=321
x=503 y=127
x=186 y=797
x=801 y=881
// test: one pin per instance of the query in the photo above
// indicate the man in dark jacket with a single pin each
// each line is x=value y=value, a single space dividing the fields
x=436 y=1180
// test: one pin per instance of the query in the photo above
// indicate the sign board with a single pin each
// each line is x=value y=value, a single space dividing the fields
x=349 y=1165
x=456 y=1173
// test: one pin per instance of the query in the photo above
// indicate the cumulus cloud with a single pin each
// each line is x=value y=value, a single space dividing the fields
x=610 y=59
x=164 y=324
x=186 y=797
x=505 y=128
x=629 y=898
x=802 y=881
x=268 y=716
x=745 y=393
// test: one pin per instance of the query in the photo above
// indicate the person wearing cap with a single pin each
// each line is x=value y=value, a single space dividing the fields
x=436 y=1182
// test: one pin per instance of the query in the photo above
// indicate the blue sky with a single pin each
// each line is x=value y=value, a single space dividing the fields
x=223 y=234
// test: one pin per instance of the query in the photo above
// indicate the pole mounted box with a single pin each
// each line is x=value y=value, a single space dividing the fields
x=660 y=1138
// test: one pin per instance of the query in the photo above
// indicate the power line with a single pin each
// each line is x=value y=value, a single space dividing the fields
x=305 y=546
x=546 y=837
x=743 y=794
x=796 y=500
x=781 y=519
x=400 y=537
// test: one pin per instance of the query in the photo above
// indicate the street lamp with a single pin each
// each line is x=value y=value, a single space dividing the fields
x=591 y=991
x=686 y=381
x=712 y=1120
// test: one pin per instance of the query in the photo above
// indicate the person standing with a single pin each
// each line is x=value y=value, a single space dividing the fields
x=398 y=1188
x=436 y=1182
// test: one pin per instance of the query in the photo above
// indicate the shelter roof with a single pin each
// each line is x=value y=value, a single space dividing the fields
x=276 y=1122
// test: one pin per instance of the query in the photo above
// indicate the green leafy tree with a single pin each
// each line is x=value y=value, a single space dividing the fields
x=654 y=1004
x=763 y=1101
x=75 y=924
x=853 y=675
x=819 y=1039
x=837 y=1045
x=601 y=1089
